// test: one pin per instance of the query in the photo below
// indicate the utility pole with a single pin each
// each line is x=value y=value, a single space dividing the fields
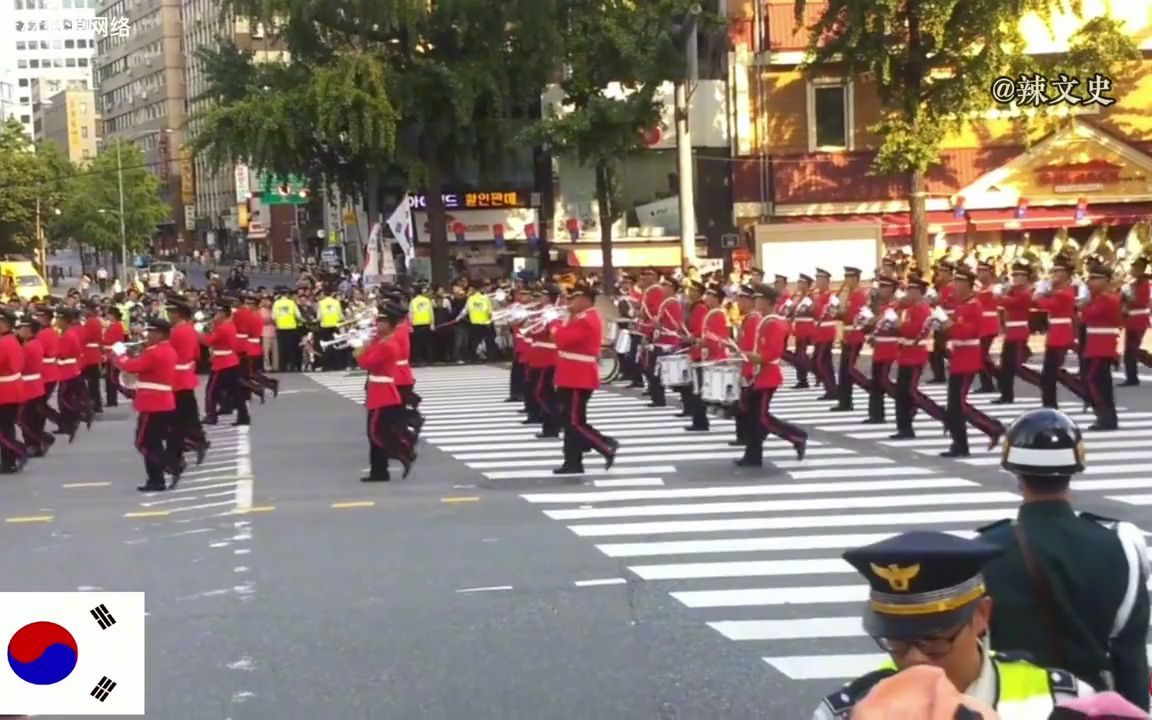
x=40 y=240
x=123 y=229
x=684 y=162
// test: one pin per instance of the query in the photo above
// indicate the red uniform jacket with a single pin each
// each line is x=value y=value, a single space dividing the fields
x=112 y=334
x=240 y=322
x=748 y=329
x=825 y=325
x=1137 y=306
x=187 y=346
x=990 y=312
x=1017 y=304
x=543 y=348
x=856 y=302
x=650 y=303
x=92 y=334
x=771 y=339
x=964 y=338
x=944 y=298
x=716 y=326
x=222 y=342
x=803 y=326
x=913 y=343
x=670 y=320
x=696 y=328
x=1061 y=308
x=403 y=340
x=154 y=369
x=255 y=333
x=1102 y=317
x=68 y=351
x=49 y=341
x=32 y=374
x=11 y=365
x=885 y=345
x=520 y=344
x=578 y=358
x=379 y=359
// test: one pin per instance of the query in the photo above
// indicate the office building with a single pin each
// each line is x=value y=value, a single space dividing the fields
x=69 y=121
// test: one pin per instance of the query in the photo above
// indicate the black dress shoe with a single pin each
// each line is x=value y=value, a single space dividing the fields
x=955 y=454
x=801 y=386
x=872 y=421
x=748 y=463
x=1097 y=427
x=202 y=452
x=369 y=478
x=545 y=436
x=697 y=428
x=801 y=449
x=937 y=381
x=841 y=408
x=149 y=487
x=1129 y=383
x=902 y=436
x=737 y=443
x=657 y=405
x=827 y=397
x=610 y=457
x=241 y=423
x=569 y=470
x=1003 y=401
x=208 y=420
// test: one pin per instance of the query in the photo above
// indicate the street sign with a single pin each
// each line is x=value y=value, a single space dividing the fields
x=284 y=190
x=729 y=241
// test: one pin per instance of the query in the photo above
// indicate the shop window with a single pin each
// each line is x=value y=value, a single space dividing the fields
x=829 y=115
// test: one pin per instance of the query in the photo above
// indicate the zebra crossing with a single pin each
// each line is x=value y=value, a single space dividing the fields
x=219 y=486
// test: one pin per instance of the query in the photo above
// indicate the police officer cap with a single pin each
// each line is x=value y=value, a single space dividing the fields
x=985 y=264
x=850 y=271
x=553 y=291
x=1021 y=268
x=963 y=273
x=1100 y=272
x=180 y=306
x=158 y=324
x=917 y=282
x=1043 y=443
x=822 y=273
x=946 y=266
x=804 y=278
x=225 y=304
x=921 y=583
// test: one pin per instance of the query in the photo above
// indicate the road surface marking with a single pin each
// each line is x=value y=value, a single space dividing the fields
x=492 y=588
x=459 y=499
x=148 y=514
x=71 y=486
x=244 y=481
x=603 y=581
x=30 y=519
x=353 y=504
x=258 y=509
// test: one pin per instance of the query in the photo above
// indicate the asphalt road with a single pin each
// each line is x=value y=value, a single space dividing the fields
x=279 y=586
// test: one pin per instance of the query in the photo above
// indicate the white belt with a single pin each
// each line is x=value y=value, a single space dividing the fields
x=186 y=366
x=908 y=342
x=1016 y=323
x=95 y=345
x=828 y=323
x=222 y=353
x=578 y=357
x=153 y=386
x=49 y=361
x=1138 y=311
x=545 y=345
x=241 y=337
x=964 y=343
x=804 y=320
x=67 y=361
x=1059 y=321
x=9 y=378
x=386 y=379
x=885 y=338
x=992 y=314
x=30 y=378
x=401 y=363
x=1102 y=331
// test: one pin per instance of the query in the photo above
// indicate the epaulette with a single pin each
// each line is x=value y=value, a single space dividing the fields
x=844 y=699
x=993 y=526
x=1102 y=520
x=1014 y=656
x=1063 y=682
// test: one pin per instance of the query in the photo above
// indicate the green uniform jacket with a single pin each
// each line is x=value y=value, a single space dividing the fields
x=1097 y=571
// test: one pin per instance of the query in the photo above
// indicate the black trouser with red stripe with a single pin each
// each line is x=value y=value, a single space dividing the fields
x=765 y=424
x=31 y=420
x=224 y=390
x=1134 y=355
x=91 y=377
x=909 y=399
x=550 y=417
x=850 y=375
x=531 y=377
x=960 y=413
x=825 y=371
x=112 y=386
x=187 y=418
x=1013 y=355
x=154 y=443
x=989 y=371
x=49 y=411
x=389 y=437
x=516 y=380
x=1097 y=381
x=411 y=401
x=12 y=451
x=801 y=361
x=880 y=385
x=74 y=406
x=745 y=417
x=1053 y=373
x=579 y=436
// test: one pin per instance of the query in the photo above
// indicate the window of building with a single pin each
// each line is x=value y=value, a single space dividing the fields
x=23 y=82
x=35 y=64
x=57 y=44
x=83 y=108
x=69 y=44
x=25 y=100
x=20 y=45
x=43 y=44
x=829 y=114
x=84 y=152
x=19 y=4
x=84 y=132
x=56 y=62
x=69 y=62
x=83 y=62
x=25 y=119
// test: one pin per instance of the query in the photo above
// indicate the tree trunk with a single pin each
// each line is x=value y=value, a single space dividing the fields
x=604 y=204
x=918 y=217
x=437 y=226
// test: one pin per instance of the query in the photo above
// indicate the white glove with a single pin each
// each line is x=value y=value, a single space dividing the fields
x=788 y=304
x=998 y=289
x=1126 y=291
x=834 y=302
x=805 y=303
x=1082 y=292
x=931 y=294
x=890 y=315
x=1043 y=287
x=355 y=342
x=120 y=349
x=940 y=315
x=865 y=314
x=900 y=294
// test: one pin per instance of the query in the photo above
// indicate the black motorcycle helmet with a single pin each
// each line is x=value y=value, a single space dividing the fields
x=1043 y=443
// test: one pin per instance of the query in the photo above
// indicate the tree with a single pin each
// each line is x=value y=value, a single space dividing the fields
x=635 y=45
x=90 y=209
x=32 y=178
x=933 y=64
x=399 y=88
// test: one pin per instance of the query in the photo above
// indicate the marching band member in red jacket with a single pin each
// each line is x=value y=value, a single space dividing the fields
x=255 y=332
x=967 y=361
x=247 y=320
x=942 y=285
x=749 y=325
x=577 y=375
x=1017 y=304
x=1058 y=299
x=224 y=389
x=92 y=358
x=987 y=286
x=155 y=404
x=13 y=455
x=72 y=394
x=885 y=338
x=852 y=342
x=186 y=344
x=110 y=335
x=405 y=380
x=1102 y=316
x=915 y=326
x=544 y=356
x=771 y=338
x=709 y=336
x=49 y=340
x=518 y=377
x=667 y=333
x=826 y=312
x=32 y=417
x=1137 y=303
x=388 y=434
x=803 y=328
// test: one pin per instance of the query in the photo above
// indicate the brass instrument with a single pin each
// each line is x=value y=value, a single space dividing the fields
x=355 y=338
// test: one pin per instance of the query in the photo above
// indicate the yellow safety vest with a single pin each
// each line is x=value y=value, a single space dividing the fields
x=330 y=313
x=284 y=311
x=1024 y=688
x=126 y=315
x=479 y=309
x=421 y=309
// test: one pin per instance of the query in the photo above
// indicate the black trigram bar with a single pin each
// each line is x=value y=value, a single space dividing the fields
x=103 y=617
x=103 y=689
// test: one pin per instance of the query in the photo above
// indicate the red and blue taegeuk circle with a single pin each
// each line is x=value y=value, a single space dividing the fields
x=42 y=653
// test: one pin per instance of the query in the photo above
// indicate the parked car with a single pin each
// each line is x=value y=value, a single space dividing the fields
x=164 y=274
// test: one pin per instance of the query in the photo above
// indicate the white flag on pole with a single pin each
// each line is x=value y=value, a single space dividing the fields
x=372 y=257
x=400 y=222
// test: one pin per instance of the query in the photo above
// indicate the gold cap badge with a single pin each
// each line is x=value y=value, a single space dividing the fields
x=899 y=578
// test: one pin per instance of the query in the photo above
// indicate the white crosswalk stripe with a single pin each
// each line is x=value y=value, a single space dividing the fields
x=220 y=481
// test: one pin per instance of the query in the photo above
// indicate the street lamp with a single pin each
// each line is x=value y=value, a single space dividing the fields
x=120 y=186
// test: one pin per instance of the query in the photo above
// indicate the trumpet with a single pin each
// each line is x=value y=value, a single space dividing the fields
x=354 y=338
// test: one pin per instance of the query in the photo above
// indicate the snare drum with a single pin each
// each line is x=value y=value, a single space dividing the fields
x=623 y=342
x=611 y=332
x=675 y=370
x=721 y=385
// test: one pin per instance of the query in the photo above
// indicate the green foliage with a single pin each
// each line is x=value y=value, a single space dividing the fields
x=90 y=209
x=27 y=174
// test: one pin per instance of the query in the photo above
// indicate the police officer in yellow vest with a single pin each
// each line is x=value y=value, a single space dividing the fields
x=927 y=606
x=480 y=327
x=286 y=314
x=330 y=313
x=421 y=314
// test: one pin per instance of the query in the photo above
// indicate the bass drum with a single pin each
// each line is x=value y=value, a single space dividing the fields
x=609 y=364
